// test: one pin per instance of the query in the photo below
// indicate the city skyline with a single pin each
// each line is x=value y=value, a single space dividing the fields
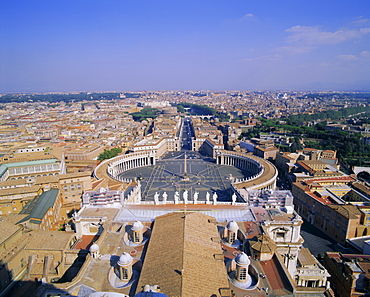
x=66 y=46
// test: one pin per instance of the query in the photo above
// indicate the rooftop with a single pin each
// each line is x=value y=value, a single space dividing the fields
x=30 y=163
x=188 y=258
x=6 y=230
x=38 y=207
x=50 y=240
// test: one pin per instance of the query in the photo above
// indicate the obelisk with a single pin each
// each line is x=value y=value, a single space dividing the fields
x=185 y=177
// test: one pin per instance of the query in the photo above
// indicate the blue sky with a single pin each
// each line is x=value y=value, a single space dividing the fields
x=130 y=45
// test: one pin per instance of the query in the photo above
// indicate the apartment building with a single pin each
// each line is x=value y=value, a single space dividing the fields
x=349 y=273
x=71 y=187
x=160 y=146
x=266 y=152
x=322 y=202
x=84 y=153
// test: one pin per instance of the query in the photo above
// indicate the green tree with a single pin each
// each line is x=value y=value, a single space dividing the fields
x=108 y=154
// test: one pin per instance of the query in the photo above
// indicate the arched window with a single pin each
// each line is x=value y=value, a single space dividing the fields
x=136 y=237
x=232 y=236
x=242 y=274
x=124 y=273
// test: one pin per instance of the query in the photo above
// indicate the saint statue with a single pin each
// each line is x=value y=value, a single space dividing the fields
x=164 y=197
x=233 y=198
x=156 y=198
x=185 y=196
x=196 y=194
x=215 y=198
x=177 y=196
x=207 y=197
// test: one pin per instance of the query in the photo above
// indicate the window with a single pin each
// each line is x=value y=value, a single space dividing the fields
x=136 y=237
x=232 y=236
x=280 y=234
x=242 y=274
x=124 y=273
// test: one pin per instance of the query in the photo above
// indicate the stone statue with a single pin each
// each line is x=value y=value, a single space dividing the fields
x=207 y=197
x=233 y=198
x=196 y=194
x=185 y=196
x=215 y=198
x=156 y=198
x=164 y=197
x=176 y=197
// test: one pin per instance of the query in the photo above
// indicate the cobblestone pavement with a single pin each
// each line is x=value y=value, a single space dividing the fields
x=202 y=176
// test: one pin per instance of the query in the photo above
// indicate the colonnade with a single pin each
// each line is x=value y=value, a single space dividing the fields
x=130 y=161
x=239 y=161
x=313 y=283
x=264 y=174
x=34 y=169
x=42 y=169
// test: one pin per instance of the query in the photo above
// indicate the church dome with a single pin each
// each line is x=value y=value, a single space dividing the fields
x=242 y=259
x=94 y=248
x=125 y=259
x=232 y=226
x=137 y=226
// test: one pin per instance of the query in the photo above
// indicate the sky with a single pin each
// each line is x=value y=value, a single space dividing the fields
x=136 y=45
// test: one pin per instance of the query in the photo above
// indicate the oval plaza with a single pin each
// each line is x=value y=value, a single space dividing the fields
x=228 y=173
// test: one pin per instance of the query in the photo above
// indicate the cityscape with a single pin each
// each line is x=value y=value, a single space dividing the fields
x=149 y=193
x=184 y=148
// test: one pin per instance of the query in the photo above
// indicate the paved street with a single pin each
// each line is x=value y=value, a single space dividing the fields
x=318 y=242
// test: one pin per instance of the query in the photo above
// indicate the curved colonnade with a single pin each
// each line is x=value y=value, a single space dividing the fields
x=264 y=173
x=112 y=168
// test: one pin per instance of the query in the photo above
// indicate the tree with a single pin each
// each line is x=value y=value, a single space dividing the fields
x=108 y=154
x=321 y=126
